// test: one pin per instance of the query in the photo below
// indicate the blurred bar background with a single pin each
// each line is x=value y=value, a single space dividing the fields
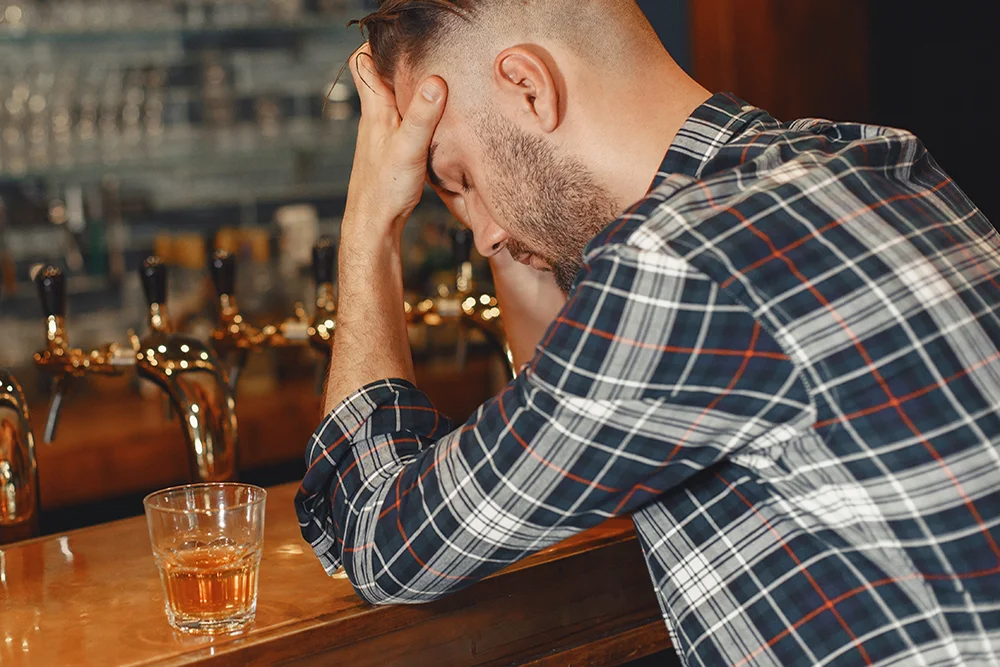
x=181 y=127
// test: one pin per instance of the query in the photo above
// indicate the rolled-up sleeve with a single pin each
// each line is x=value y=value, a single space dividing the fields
x=649 y=375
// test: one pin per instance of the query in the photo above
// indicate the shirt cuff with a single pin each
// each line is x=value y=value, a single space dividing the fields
x=354 y=449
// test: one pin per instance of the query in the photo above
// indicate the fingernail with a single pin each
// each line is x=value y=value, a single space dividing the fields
x=430 y=92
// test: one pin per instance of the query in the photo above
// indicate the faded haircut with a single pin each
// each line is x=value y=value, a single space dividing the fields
x=404 y=31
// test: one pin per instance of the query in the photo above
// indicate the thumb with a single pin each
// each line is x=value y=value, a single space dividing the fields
x=421 y=120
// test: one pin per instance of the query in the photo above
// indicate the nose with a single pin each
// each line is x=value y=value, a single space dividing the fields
x=490 y=237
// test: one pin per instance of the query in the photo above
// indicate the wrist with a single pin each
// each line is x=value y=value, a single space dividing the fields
x=368 y=254
x=371 y=232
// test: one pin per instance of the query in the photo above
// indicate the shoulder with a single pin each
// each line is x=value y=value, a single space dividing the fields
x=766 y=170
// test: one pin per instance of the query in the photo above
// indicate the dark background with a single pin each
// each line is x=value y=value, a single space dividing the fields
x=928 y=67
x=934 y=72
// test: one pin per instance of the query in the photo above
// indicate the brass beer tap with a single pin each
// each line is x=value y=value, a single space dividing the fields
x=19 y=504
x=185 y=368
x=236 y=336
x=473 y=309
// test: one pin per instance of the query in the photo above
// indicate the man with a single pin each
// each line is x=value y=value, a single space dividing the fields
x=778 y=353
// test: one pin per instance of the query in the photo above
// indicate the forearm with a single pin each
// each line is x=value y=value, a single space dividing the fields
x=371 y=340
x=414 y=512
x=387 y=180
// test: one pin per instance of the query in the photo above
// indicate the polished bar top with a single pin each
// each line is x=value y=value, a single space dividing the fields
x=93 y=597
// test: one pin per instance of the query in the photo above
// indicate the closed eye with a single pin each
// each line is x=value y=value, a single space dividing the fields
x=437 y=181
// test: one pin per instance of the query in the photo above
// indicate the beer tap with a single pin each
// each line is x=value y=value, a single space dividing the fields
x=19 y=505
x=237 y=336
x=325 y=315
x=234 y=335
x=462 y=301
x=183 y=367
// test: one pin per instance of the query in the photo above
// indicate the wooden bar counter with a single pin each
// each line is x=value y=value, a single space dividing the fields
x=93 y=597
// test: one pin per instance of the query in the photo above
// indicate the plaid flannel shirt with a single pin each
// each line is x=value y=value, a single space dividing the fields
x=782 y=363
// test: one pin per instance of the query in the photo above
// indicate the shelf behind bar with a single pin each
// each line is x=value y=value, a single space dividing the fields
x=228 y=151
x=319 y=25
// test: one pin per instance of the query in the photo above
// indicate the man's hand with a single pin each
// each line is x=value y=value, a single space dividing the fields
x=390 y=161
x=390 y=166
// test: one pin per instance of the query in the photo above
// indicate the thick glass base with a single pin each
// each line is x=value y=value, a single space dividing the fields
x=195 y=625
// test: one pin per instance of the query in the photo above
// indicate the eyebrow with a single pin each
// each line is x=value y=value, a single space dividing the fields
x=431 y=174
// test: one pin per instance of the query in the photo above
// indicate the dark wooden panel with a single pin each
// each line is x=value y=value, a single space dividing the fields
x=793 y=58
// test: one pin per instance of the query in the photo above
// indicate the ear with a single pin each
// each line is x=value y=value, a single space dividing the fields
x=525 y=79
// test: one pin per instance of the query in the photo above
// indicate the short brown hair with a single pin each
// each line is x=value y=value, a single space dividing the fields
x=404 y=30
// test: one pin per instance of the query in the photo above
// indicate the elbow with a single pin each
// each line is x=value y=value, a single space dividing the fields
x=384 y=588
x=373 y=594
x=379 y=595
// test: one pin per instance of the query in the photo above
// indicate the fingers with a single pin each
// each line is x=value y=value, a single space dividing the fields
x=377 y=99
x=421 y=120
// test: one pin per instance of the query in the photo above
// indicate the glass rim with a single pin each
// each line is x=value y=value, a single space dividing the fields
x=146 y=502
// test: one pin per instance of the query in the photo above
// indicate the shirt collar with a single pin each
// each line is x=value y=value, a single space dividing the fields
x=717 y=122
x=709 y=127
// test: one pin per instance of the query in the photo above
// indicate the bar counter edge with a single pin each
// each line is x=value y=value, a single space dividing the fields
x=93 y=597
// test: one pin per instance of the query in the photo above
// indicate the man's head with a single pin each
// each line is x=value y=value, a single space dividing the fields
x=544 y=140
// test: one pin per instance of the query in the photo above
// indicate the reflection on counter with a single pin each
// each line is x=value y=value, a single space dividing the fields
x=95 y=595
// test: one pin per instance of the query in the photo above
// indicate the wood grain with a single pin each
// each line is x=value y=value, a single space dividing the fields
x=93 y=597
x=795 y=59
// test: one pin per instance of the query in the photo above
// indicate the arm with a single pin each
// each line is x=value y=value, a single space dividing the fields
x=529 y=301
x=648 y=375
x=390 y=165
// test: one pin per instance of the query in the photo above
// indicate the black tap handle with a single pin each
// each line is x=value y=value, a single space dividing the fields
x=51 y=290
x=154 y=280
x=223 y=269
x=324 y=254
x=461 y=246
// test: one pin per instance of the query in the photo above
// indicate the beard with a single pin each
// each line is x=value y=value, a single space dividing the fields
x=550 y=204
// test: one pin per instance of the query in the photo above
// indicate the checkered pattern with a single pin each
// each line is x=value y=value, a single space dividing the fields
x=783 y=363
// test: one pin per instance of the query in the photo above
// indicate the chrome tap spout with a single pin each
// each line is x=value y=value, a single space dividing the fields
x=189 y=373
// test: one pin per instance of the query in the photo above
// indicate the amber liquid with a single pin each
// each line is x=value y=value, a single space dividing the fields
x=211 y=588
